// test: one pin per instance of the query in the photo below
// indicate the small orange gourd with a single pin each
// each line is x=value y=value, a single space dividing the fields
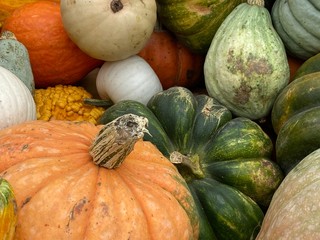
x=54 y=58
x=81 y=181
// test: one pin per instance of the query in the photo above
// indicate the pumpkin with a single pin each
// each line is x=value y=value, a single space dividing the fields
x=66 y=102
x=295 y=116
x=8 y=210
x=194 y=23
x=54 y=58
x=311 y=65
x=295 y=22
x=75 y=180
x=15 y=57
x=174 y=64
x=8 y=6
x=130 y=78
x=225 y=161
x=237 y=70
x=122 y=27
x=16 y=101
x=294 y=212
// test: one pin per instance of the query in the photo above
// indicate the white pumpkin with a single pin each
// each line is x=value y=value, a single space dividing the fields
x=109 y=30
x=16 y=101
x=128 y=79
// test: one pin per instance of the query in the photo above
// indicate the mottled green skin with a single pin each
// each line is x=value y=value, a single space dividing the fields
x=229 y=173
x=15 y=57
x=301 y=94
x=194 y=22
x=298 y=137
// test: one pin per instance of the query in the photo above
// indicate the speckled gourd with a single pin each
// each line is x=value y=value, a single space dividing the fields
x=246 y=65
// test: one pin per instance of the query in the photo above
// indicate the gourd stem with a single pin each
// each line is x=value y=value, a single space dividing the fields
x=98 y=102
x=190 y=164
x=116 y=140
x=256 y=2
x=116 y=5
x=7 y=35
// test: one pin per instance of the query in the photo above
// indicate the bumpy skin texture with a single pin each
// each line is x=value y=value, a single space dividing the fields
x=246 y=65
x=65 y=102
x=62 y=194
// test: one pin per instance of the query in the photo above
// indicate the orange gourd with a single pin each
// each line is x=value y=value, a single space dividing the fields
x=54 y=58
x=174 y=63
x=62 y=194
x=8 y=6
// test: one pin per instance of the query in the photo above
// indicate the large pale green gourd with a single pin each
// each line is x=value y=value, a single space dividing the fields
x=246 y=65
x=15 y=57
x=294 y=212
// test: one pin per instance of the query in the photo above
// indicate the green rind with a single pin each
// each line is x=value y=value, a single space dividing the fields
x=311 y=65
x=195 y=23
x=232 y=214
x=298 y=137
x=238 y=138
x=175 y=109
x=301 y=94
x=255 y=177
x=157 y=134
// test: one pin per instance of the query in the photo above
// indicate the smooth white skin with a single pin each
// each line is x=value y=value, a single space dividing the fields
x=128 y=79
x=16 y=101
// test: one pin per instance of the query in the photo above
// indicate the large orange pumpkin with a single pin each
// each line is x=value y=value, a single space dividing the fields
x=174 y=63
x=62 y=194
x=54 y=58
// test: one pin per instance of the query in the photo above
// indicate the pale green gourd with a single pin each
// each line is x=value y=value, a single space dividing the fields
x=246 y=65
x=15 y=57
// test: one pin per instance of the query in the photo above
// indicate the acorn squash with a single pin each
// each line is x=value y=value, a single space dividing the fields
x=246 y=65
x=295 y=118
x=225 y=161
x=194 y=22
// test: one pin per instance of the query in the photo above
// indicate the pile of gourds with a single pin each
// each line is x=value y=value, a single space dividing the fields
x=159 y=119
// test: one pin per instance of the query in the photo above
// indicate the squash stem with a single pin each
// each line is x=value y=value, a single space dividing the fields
x=256 y=2
x=116 y=140
x=189 y=164
x=98 y=102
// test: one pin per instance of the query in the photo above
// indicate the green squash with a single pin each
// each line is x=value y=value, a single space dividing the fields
x=311 y=65
x=225 y=160
x=297 y=23
x=8 y=211
x=294 y=212
x=246 y=65
x=194 y=23
x=296 y=119
x=15 y=57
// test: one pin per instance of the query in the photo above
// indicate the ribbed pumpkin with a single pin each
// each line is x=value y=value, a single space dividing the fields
x=294 y=212
x=246 y=65
x=225 y=161
x=81 y=181
x=54 y=58
x=297 y=23
x=8 y=211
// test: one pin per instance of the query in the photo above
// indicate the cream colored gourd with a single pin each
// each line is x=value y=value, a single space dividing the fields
x=109 y=30
x=16 y=101
x=128 y=79
x=294 y=212
x=246 y=65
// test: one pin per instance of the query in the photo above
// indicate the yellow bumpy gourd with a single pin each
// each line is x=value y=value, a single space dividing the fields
x=66 y=102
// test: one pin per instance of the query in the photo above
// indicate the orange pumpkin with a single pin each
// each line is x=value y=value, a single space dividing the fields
x=8 y=6
x=62 y=194
x=54 y=58
x=174 y=64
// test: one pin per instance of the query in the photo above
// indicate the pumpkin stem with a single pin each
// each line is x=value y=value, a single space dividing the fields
x=256 y=2
x=116 y=5
x=187 y=165
x=116 y=140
